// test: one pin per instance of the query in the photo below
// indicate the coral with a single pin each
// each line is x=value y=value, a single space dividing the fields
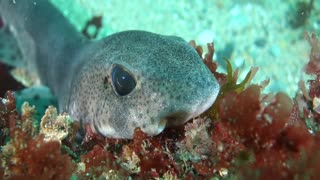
x=168 y=176
x=130 y=161
x=197 y=143
x=56 y=127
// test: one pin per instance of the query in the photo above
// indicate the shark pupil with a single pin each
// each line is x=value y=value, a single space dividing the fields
x=122 y=80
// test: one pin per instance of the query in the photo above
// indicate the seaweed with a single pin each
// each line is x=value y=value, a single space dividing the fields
x=228 y=82
x=313 y=66
x=27 y=154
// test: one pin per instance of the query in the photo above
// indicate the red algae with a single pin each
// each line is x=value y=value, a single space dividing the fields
x=97 y=161
x=154 y=161
x=41 y=159
x=313 y=65
x=27 y=154
x=208 y=60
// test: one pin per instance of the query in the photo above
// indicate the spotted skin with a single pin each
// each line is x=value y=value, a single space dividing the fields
x=172 y=83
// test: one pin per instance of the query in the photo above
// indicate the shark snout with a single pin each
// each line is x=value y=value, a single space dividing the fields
x=192 y=103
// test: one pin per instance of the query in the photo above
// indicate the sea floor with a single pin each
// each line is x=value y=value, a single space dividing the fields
x=249 y=33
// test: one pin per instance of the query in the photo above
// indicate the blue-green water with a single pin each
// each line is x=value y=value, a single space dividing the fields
x=249 y=33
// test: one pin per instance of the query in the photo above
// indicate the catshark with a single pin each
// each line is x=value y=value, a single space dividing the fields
x=124 y=81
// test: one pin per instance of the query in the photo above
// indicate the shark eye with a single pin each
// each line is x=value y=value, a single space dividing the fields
x=122 y=80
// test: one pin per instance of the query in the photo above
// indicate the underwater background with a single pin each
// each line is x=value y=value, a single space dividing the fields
x=267 y=34
x=227 y=142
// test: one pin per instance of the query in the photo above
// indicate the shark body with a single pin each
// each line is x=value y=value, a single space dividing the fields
x=127 y=80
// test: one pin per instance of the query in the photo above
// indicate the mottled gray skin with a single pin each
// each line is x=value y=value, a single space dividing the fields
x=173 y=84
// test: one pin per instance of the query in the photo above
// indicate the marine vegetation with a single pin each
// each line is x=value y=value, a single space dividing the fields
x=246 y=134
